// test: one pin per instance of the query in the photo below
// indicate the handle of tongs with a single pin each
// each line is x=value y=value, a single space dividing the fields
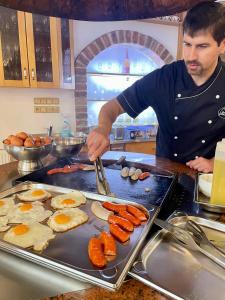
x=100 y=172
x=200 y=236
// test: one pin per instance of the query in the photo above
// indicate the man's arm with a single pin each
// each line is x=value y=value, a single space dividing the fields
x=98 y=139
x=201 y=164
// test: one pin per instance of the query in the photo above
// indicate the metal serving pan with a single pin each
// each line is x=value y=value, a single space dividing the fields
x=68 y=252
x=178 y=272
x=204 y=203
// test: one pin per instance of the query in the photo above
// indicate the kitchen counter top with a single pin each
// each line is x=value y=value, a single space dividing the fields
x=131 y=289
x=137 y=140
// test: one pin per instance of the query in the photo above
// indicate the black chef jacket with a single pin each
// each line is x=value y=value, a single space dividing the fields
x=191 y=118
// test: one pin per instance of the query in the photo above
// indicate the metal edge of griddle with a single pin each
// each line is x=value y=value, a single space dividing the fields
x=63 y=267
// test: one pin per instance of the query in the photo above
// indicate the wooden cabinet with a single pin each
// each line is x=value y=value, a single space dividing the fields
x=35 y=51
x=147 y=147
x=42 y=51
x=66 y=53
x=141 y=147
x=13 y=49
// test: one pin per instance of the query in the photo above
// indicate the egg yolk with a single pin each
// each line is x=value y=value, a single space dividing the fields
x=2 y=203
x=68 y=201
x=20 y=229
x=37 y=193
x=26 y=207
x=62 y=219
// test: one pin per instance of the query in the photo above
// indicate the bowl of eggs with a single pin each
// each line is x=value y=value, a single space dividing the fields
x=67 y=146
x=28 y=150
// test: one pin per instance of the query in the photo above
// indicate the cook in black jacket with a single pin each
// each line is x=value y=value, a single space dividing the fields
x=188 y=96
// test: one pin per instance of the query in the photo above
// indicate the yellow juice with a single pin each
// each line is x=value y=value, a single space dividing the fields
x=218 y=185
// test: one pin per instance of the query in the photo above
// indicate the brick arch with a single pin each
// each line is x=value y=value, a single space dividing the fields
x=93 y=49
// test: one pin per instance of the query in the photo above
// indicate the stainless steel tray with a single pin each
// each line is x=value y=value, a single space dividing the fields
x=178 y=272
x=68 y=252
x=203 y=201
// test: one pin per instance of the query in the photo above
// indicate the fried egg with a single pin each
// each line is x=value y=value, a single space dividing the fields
x=72 y=199
x=6 y=204
x=34 y=235
x=34 y=195
x=3 y=223
x=28 y=212
x=66 y=219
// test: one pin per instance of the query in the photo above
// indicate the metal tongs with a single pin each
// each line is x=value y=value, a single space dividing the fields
x=193 y=241
x=200 y=237
x=102 y=183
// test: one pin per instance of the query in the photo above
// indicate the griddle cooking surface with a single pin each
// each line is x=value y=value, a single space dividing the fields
x=123 y=188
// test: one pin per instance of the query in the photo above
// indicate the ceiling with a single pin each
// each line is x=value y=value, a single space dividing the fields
x=102 y=10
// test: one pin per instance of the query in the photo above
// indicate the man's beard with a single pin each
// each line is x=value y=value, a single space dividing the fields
x=194 y=67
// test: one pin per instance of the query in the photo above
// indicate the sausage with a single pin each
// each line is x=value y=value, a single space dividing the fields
x=130 y=217
x=136 y=212
x=70 y=169
x=119 y=233
x=65 y=169
x=54 y=171
x=123 y=223
x=143 y=175
x=95 y=252
x=108 y=242
x=114 y=207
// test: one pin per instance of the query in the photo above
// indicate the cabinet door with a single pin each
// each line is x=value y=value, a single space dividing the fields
x=13 y=49
x=141 y=147
x=66 y=46
x=42 y=51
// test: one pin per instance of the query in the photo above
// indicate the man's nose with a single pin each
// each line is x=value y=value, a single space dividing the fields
x=192 y=54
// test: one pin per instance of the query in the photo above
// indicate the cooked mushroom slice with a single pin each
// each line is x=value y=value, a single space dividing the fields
x=132 y=171
x=125 y=172
x=136 y=174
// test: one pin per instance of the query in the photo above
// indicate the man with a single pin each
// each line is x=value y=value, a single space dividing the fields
x=188 y=96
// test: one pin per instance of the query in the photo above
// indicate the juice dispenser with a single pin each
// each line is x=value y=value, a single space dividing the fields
x=218 y=185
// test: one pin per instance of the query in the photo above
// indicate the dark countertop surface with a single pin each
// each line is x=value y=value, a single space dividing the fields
x=131 y=289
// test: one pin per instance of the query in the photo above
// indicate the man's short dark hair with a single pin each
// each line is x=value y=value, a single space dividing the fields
x=206 y=16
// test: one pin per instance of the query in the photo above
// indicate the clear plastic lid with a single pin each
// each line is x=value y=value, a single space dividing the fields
x=220 y=150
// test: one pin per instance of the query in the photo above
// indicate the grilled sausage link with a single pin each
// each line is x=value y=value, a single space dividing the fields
x=119 y=233
x=136 y=212
x=114 y=207
x=125 y=214
x=143 y=175
x=95 y=252
x=108 y=242
x=123 y=223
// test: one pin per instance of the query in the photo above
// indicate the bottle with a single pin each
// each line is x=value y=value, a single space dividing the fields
x=126 y=63
x=218 y=184
x=66 y=127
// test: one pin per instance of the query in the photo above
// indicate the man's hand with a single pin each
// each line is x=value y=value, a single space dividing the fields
x=97 y=142
x=201 y=164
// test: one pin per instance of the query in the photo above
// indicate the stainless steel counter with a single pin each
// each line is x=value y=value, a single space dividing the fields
x=23 y=280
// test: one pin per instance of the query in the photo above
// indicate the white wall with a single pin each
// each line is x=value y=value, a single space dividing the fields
x=17 y=110
x=16 y=104
x=86 y=32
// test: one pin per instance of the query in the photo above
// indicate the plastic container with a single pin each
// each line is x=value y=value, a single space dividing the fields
x=218 y=185
x=66 y=127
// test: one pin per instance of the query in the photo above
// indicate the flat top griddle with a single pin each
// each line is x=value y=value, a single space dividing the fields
x=159 y=185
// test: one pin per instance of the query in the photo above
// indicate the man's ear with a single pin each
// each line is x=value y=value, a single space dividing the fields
x=222 y=47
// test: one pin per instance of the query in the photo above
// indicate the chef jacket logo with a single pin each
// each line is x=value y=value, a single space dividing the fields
x=221 y=113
